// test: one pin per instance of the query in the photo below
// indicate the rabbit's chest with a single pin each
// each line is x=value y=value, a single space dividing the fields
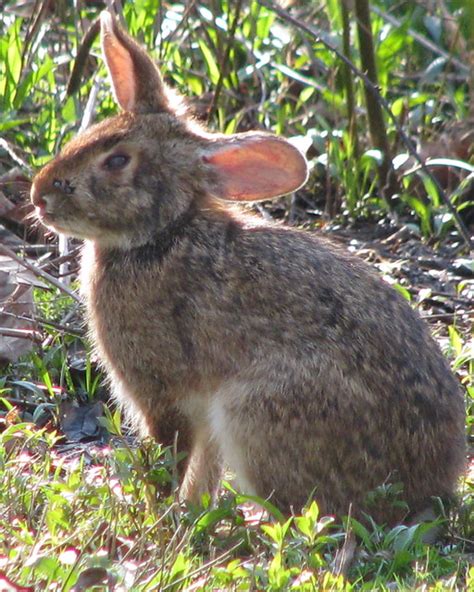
x=138 y=330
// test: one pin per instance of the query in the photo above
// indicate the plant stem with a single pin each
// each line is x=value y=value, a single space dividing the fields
x=378 y=132
x=225 y=60
x=348 y=81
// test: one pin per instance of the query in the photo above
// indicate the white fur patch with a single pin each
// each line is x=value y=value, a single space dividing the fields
x=196 y=408
x=225 y=431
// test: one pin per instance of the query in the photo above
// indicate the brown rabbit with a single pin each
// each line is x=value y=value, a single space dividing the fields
x=263 y=348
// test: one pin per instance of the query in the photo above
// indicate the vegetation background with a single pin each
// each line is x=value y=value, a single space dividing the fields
x=82 y=505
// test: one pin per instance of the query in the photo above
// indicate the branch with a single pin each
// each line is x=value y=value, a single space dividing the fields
x=39 y=272
x=377 y=128
x=22 y=334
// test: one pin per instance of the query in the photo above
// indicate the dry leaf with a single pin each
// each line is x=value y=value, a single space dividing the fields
x=16 y=302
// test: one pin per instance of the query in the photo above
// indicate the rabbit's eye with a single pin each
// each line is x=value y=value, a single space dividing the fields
x=116 y=162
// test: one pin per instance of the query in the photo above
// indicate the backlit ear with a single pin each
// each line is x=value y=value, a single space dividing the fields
x=254 y=166
x=136 y=81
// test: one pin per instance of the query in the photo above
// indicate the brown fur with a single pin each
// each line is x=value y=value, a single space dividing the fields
x=263 y=346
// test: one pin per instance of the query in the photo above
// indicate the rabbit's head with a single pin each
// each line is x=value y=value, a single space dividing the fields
x=131 y=175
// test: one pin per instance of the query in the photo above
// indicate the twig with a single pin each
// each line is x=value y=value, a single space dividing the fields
x=39 y=272
x=70 y=257
x=89 y=110
x=440 y=316
x=74 y=82
x=22 y=334
x=162 y=50
x=225 y=60
x=14 y=156
x=21 y=402
x=33 y=28
x=76 y=332
x=36 y=249
x=309 y=30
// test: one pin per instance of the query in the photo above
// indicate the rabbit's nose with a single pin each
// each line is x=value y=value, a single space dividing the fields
x=42 y=198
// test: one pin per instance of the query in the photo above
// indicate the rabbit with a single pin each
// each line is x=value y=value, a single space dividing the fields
x=244 y=343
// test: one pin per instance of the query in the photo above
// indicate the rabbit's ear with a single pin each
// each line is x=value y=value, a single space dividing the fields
x=136 y=81
x=252 y=167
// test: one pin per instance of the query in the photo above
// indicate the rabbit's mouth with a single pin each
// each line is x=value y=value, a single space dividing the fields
x=74 y=227
x=45 y=217
x=49 y=220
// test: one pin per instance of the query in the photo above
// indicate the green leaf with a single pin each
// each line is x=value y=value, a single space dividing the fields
x=211 y=63
x=180 y=567
x=68 y=112
x=455 y=340
x=361 y=531
x=423 y=211
x=402 y=290
x=450 y=162
x=209 y=519
x=48 y=567
x=373 y=155
x=271 y=509
x=8 y=124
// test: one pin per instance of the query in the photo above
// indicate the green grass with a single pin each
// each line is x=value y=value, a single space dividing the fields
x=79 y=516
x=100 y=514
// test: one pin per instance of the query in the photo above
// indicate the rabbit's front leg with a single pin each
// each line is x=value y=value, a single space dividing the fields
x=203 y=470
x=204 y=464
x=197 y=464
x=155 y=415
x=185 y=430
